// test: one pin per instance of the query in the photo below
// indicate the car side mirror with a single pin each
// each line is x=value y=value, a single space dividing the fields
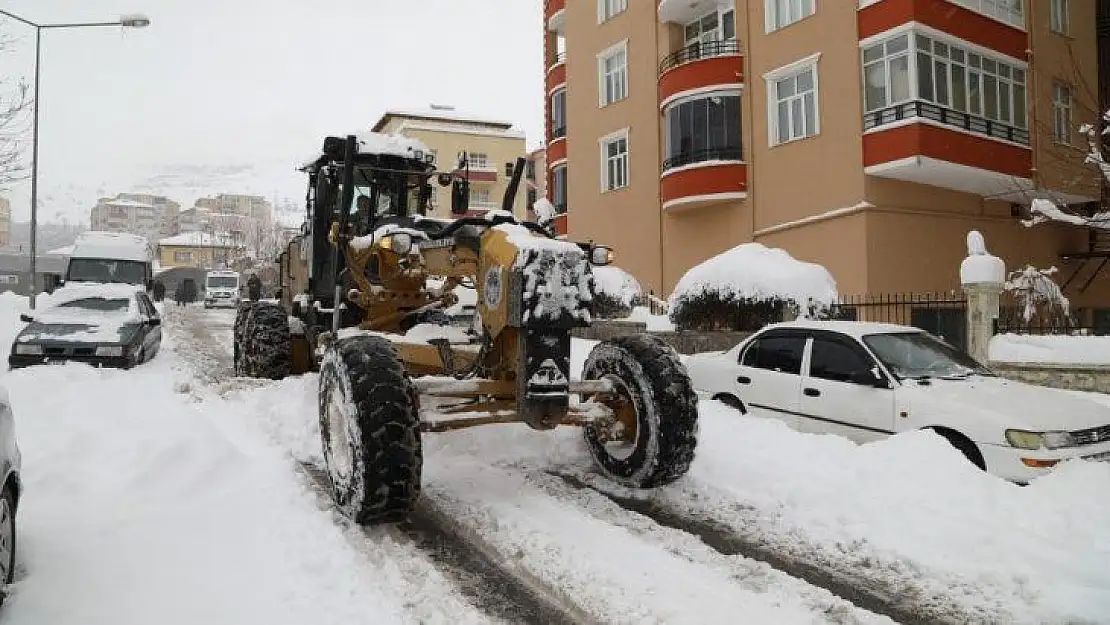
x=871 y=377
x=25 y=318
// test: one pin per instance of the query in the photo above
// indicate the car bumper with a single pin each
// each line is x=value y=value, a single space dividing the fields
x=115 y=362
x=1014 y=464
x=222 y=302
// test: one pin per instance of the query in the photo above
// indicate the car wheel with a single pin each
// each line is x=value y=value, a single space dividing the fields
x=7 y=537
x=964 y=445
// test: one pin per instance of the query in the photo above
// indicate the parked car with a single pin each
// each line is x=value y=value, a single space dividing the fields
x=868 y=381
x=10 y=469
x=109 y=325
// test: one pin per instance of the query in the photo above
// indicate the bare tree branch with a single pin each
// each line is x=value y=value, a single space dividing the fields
x=15 y=125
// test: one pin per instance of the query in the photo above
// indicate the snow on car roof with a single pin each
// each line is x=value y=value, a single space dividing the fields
x=857 y=329
x=115 y=245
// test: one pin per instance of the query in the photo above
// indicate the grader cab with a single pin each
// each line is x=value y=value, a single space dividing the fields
x=365 y=288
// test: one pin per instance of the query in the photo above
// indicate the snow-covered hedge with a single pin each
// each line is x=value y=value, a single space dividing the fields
x=747 y=287
x=615 y=292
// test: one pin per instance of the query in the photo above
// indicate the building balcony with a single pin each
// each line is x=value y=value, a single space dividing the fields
x=554 y=12
x=556 y=150
x=703 y=178
x=983 y=22
x=700 y=66
x=556 y=72
x=682 y=12
x=928 y=144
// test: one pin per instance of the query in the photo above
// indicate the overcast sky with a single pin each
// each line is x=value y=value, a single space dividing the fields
x=234 y=92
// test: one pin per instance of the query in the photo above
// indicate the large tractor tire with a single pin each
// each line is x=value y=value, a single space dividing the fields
x=657 y=407
x=268 y=344
x=370 y=425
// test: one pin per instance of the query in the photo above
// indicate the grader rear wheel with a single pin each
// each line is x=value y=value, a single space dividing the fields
x=656 y=412
x=370 y=425
x=268 y=345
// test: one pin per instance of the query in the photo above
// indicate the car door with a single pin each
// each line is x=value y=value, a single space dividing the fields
x=840 y=392
x=152 y=332
x=769 y=379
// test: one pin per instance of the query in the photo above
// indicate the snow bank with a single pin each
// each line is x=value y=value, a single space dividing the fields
x=170 y=506
x=616 y=283
x=754 y=271
x=1059 y=349
x=655 y=323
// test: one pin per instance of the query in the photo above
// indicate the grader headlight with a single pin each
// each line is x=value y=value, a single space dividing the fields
x=601 y=255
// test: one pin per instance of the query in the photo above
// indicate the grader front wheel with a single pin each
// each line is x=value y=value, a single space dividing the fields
x=655 y=432
x=370 y=425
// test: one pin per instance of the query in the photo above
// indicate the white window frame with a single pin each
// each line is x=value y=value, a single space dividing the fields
x=478 y=160
x=608 y=185
x=795 y=10
x=608 y=9
x=1059 y=17
x=1014 y=76
x=480 y=198
x=996 y=10
x=787 y=72
x=887 y=59
x=620 y=74
x=1063 y=108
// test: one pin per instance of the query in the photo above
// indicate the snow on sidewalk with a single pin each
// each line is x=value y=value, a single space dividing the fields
x=144 y=506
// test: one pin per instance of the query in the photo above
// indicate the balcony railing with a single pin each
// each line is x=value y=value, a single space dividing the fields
x=558 y=58
x=698 y=51
x=946 y=116
x=701 y=156
x=559 y=132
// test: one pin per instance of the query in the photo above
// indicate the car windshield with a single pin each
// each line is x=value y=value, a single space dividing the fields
x=920 y=355
x=106 y=270
x=223 y=282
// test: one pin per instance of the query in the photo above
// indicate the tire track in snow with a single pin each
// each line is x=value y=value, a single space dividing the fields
x=478 y=574
x=899 y=602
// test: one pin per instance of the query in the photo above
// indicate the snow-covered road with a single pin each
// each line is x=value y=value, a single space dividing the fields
x=175 y=494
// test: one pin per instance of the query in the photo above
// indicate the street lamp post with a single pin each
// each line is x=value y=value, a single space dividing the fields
x=125 y=21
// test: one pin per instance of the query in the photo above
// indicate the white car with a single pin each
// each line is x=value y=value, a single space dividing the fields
x=868 y=381
x=221 y=289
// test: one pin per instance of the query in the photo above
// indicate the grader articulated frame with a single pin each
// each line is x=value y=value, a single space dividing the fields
x=365 y=288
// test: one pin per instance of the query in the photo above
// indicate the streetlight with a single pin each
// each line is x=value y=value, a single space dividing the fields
x=126 y=21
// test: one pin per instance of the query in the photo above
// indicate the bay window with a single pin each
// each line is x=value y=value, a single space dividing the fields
x=559 y=114
x=559 y=188
x=909 y=67
x=705 y=128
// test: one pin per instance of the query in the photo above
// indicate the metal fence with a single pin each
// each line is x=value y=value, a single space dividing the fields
x=1044 y=318
x=943 y=314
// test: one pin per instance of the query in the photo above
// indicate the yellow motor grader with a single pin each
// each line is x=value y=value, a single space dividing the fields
x=363 y=300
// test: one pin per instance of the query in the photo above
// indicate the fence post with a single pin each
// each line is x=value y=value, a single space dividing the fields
x=983 y=277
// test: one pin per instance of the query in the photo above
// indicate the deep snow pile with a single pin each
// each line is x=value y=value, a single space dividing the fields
x=616 y=283
x=752 y=271
x=146 y=505
x=1056 y=349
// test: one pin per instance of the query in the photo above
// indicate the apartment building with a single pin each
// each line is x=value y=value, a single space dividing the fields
x=868 y=136
x=254 y=207
x=535 y=180
x=492 y=147
x=5 y=222
x=152 y=216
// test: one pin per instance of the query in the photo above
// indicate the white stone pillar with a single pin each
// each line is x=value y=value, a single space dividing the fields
x=983 y=277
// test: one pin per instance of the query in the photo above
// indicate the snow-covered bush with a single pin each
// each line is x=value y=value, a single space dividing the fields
x=1040 y=302
x=747 y=287
x=615 y=292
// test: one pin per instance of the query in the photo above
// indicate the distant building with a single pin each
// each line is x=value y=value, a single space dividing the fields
x=493 y=147
x=5 y=222
x=253 y=207
x=535 y=179
x=200 y=250
x=152 y=216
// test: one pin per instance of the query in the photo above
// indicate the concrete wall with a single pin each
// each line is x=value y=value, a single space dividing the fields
x=1092 y=378
x=683 y=342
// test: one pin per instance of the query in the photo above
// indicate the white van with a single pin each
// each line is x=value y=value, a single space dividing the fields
x=221 y=289
x=110 y=257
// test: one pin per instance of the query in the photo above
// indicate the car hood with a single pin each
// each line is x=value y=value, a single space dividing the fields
x=1008 y=403
x=71 y=332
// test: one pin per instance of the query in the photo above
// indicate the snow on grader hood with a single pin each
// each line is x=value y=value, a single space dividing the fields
x=358 y=305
